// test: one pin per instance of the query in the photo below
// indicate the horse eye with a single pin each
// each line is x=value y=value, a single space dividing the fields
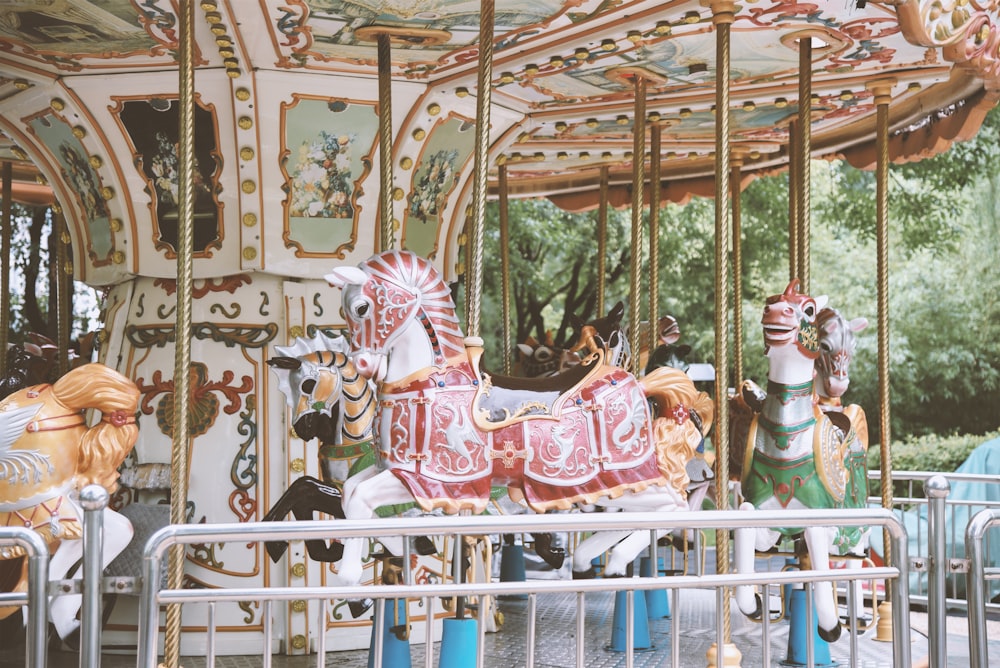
x=809 y=311
x=826 y=347
x=361 y=310
x=543 y=354
x=307 y=386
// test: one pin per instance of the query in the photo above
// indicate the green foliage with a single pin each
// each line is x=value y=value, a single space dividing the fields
x=931 y=452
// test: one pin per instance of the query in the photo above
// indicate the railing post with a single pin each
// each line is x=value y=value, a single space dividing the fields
x=936 y=489
x=975 y=583
x=93 y=499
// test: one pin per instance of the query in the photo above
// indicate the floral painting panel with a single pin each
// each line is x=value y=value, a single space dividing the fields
x=448 y=148
x=328 y=146
x=85 y=184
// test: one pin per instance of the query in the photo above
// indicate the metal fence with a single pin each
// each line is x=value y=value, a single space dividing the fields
x=36 y=600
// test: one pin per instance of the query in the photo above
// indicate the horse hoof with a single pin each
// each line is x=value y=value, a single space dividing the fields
x=829 y=635
x=402 y=632
x=275 y=550
x=424 y=546
x=758 y=612
x=588 y=574
x=553 y=556
x=359 y=607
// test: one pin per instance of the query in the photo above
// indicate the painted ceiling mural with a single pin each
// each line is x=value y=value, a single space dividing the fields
x=294 y=183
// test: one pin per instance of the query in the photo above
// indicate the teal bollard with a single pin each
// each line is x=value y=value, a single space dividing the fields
x=640 y=632
x=798 y=648
x=458 y=643
x=395 y=652
x=512 y=567
x=657 y=604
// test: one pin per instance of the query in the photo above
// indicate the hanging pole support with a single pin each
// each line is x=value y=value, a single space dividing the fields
x=61 y=278
x=736 y=167
x=504 y=267
x=655 y=134
x=385 y=140
x=793 y=202
x=722 y=652
x=182 y=327
x=803 y=171
x=5 y=237
x=602 y=241
x=638 y=177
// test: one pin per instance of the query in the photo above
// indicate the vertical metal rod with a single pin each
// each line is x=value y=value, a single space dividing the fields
x=268 y=645
x=638 y=177
x=504 y=267
x=810 y=626
x=6 y=233
x=529 y=650
x=675 y=636
x=93 y=500
x=937 y=489
x=481 y=629
x=975 y=580
x=765 y=626
x=793 y=201
x=852 y=617
x=581 y=628
x=736 y=248
x=61 y=279
x=630 y=628
x=210 y=651
x=182 y=327
x=484 y=92
x=655 y=133
x=429 y=633
x=882 y=98
x=324 y=610
x=385 y=140
x=804 y=146
x=37 y=613
x=602 y=242
x=723 y=18
x=379 y=631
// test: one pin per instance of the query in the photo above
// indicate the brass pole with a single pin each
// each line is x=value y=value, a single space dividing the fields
x=882 y=99
x=182 y=328
x=61 y=276
x=385 y=140
x=504 y=267
x=655 y=133
x=638 y=177
x=602 y=242
x=8 y=225
x=793 y=201
x=722 y=17
x=483 y=100
x=804 y=146
x=737 y=254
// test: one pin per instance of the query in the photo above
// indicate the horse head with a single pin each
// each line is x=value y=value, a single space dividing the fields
x=791 y=338
x=397 y=302
x=310 y=375
x=544 y=358
x=837 y=344
x=605 y=333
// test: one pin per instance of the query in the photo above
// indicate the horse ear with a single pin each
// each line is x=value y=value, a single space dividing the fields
x=342 y=276
x=617 y=311
x=285 y=363
x=857 y=324
x=525 y=349
x=821 y=301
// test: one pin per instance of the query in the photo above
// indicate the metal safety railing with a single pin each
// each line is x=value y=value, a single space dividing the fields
x=153 y=598
x=979 y=573
x=36 y=599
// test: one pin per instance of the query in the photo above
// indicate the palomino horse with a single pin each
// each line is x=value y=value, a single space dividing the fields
x=448 y=431
x=47 y=454
x=795 y=455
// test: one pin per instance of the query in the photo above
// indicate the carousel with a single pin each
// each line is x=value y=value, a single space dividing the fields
x=234 y=175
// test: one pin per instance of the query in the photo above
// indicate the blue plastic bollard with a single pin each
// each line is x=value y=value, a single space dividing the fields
x=657 y=604
x=512 y=567
x=798 y=647
x=395 y=652
x=640 y=632
x=458 y=643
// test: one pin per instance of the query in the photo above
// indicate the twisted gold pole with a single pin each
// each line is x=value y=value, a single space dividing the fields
x=602 y=242
x=5 y=235
x=483 y=101
x=722 y=17
x=504 y=268
x=182 y=328
x=385 y=140
x=737 y=254
x=804 y=146
x=638 y=177
x=61 y=277
x=793 y=201
x=882 y=99
x=655 y=132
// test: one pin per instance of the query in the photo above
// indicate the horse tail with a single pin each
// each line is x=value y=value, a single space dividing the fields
x=677 y=434
x=104 y=446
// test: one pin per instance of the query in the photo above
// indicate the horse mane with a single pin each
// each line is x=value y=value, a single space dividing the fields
x=105 y=445
x=677 y=438
x=418 y=275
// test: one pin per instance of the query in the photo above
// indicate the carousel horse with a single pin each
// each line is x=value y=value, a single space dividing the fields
x=47 y=454
x=448 y=431
x=604 y=334
x=668 y=353
x=537 y=359
x=795 y=455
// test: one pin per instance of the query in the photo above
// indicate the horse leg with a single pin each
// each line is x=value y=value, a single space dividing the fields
x=592 y=547
x=303 y=496
x=818 y=543
x=381 y=489
x=745 y=543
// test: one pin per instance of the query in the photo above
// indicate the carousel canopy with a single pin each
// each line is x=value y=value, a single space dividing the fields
x=287 y=117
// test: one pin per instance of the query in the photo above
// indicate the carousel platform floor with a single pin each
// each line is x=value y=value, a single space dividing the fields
x=556 y=641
